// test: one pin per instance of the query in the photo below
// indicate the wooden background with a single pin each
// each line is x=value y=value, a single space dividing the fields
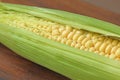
x=112 y=5
x=14 y=67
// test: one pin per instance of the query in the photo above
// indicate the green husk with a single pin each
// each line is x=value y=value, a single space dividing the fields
x=76 y=21
x=73 y=63
x=70 y=62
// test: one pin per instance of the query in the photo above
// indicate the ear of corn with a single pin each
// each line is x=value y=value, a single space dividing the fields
x=23 y=30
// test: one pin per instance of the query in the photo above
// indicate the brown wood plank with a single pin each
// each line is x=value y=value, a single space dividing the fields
x=14 y=67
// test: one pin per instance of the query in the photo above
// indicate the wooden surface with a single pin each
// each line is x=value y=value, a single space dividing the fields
x=112 y=5
x=14 y=67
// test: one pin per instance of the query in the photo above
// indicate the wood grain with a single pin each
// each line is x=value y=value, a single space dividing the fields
x=14 y=67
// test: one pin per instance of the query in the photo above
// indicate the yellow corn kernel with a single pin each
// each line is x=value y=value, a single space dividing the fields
x=114 y=49
x=92 y=49
x=82 y=47
x=89 y=44
x=112 y=56
x=65 y=33
x=73 y=44
x=114 y=42
x=68 y=28
x=61 y=29
x=108 y=49
x=63 y=40
x=77 y=45
x=84 y=41
x=70 y=35
x=80 y=38
x=97 y=45
x=102 y=47
x=89 y=35
x=75 y=37
x=68 y=42
x=117 y=52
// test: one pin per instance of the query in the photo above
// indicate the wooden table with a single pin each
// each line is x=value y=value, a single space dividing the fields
x=14 y=67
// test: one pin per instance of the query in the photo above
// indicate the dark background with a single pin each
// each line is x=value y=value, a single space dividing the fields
x=14 y=67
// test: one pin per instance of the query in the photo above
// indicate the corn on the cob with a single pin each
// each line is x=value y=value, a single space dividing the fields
x=85 y=36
